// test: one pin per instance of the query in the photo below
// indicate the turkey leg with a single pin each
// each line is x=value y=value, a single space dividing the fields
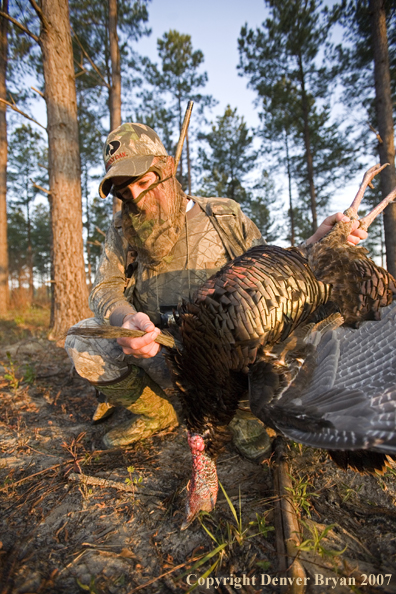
x=368 y=177
x=366 y=221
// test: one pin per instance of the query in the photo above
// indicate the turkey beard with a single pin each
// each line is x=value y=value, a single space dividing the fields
x=153 y=222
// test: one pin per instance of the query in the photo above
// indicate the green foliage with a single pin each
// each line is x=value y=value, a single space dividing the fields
x=41 y=238
x=262 y=526
x=90 y=25
x=262 y=207
x=300 y=495
x=230 y=157
x=349 y=492
x=284 y=64
x=28 y=223
x=355 y=56
x=29 y=374
x=179 y=72
x=228 y=535
x=11 y=369
x=91 y=588
x=314 y=543
x=174 y=82
x=27 y=158
x=133 y=480
x=227 y=160
x=101 y=212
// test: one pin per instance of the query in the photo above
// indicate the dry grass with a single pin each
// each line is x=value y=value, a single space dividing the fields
x=20 y=323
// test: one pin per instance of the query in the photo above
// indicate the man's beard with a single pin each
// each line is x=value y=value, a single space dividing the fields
x=153 y=222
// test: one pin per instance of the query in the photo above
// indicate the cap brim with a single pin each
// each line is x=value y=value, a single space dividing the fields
x=129 y=167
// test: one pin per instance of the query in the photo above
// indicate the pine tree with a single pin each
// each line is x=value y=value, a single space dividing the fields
x=103 y=32
x=229 y=162
x=22 y=233
x=263 y=207
x=230 y=157
x=370 y=84
x=283 y=64
x=26 y=151
x=3 y=162
x=41 y=242
x=51 y=31
x=180 y=78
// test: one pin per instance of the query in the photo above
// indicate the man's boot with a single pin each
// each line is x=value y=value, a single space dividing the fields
x=138 y=393
x=104 y=409
x=250 y=437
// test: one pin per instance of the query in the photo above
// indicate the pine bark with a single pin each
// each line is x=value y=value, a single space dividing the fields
x=3 y=165
x=289 y=176
x=384 y=112
x=69 y=286
x=115 y=88
x=308 y=151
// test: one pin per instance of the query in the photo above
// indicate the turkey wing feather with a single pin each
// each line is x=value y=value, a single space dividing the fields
x=344 y=395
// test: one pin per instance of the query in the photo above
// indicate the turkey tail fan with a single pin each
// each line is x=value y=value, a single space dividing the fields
x=344 y=395
x=361 y=460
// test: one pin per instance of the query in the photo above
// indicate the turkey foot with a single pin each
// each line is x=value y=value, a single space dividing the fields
x=368 y=177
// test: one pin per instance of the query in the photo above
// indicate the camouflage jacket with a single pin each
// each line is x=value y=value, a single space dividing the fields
x=114 y=293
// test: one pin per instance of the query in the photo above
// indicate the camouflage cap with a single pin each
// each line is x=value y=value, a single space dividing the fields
x=129 y=151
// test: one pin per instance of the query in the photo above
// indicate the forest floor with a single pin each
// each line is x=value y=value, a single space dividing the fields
x=75 y=517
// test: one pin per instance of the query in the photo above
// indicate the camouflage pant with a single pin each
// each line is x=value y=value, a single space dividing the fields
x=100 y=360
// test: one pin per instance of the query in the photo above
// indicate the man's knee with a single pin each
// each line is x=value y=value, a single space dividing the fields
x=97 y=360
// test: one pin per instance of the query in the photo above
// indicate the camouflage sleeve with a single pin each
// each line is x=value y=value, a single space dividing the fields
x=252 y=235
x=107 y=297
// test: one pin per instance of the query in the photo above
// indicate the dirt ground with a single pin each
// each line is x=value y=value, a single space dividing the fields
x=76 y=518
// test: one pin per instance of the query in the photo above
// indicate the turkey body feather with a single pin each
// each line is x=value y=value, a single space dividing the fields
x=259 y=299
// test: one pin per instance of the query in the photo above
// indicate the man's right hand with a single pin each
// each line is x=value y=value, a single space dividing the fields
x=142 y=347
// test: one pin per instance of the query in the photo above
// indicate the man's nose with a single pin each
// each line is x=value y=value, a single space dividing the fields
x=135 y=191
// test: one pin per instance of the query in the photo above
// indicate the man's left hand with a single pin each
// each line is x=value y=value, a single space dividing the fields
x=355 y=236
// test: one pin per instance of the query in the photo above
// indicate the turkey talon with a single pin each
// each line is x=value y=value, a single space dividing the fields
x=368 y=177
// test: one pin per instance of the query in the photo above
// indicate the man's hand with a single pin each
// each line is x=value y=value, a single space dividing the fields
x=354 y=238
x=142 y=347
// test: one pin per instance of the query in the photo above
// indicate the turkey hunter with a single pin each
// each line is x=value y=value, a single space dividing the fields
x=159 y=249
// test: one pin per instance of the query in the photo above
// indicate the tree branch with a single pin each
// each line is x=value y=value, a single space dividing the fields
x=23 y=113
x=39 y=187
x=100 y=231
x=39 y=92
x=89 y=60
x=39 y=13
x=376 y=133
x=20 y=26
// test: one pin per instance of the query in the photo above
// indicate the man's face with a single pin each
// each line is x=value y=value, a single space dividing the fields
x=136 y=187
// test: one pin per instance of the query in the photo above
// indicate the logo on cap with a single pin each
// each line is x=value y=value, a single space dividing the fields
x=112 y=147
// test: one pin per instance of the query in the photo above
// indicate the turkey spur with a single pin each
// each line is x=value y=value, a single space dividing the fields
x=291 y=328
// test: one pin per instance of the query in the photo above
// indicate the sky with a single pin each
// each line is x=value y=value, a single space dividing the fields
x=214 y=26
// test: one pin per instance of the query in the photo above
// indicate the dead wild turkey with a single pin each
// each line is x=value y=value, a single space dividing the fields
x=269 y=324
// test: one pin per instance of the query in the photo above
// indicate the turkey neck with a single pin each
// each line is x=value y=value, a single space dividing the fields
x=359 y=287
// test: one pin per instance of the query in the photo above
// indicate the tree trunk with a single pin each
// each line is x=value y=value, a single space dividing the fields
x=291 y=212
x=115 y=88
x=70 y=287
x=3 y=165
x=29 y=256
x=308 y=152
x=383 y=106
